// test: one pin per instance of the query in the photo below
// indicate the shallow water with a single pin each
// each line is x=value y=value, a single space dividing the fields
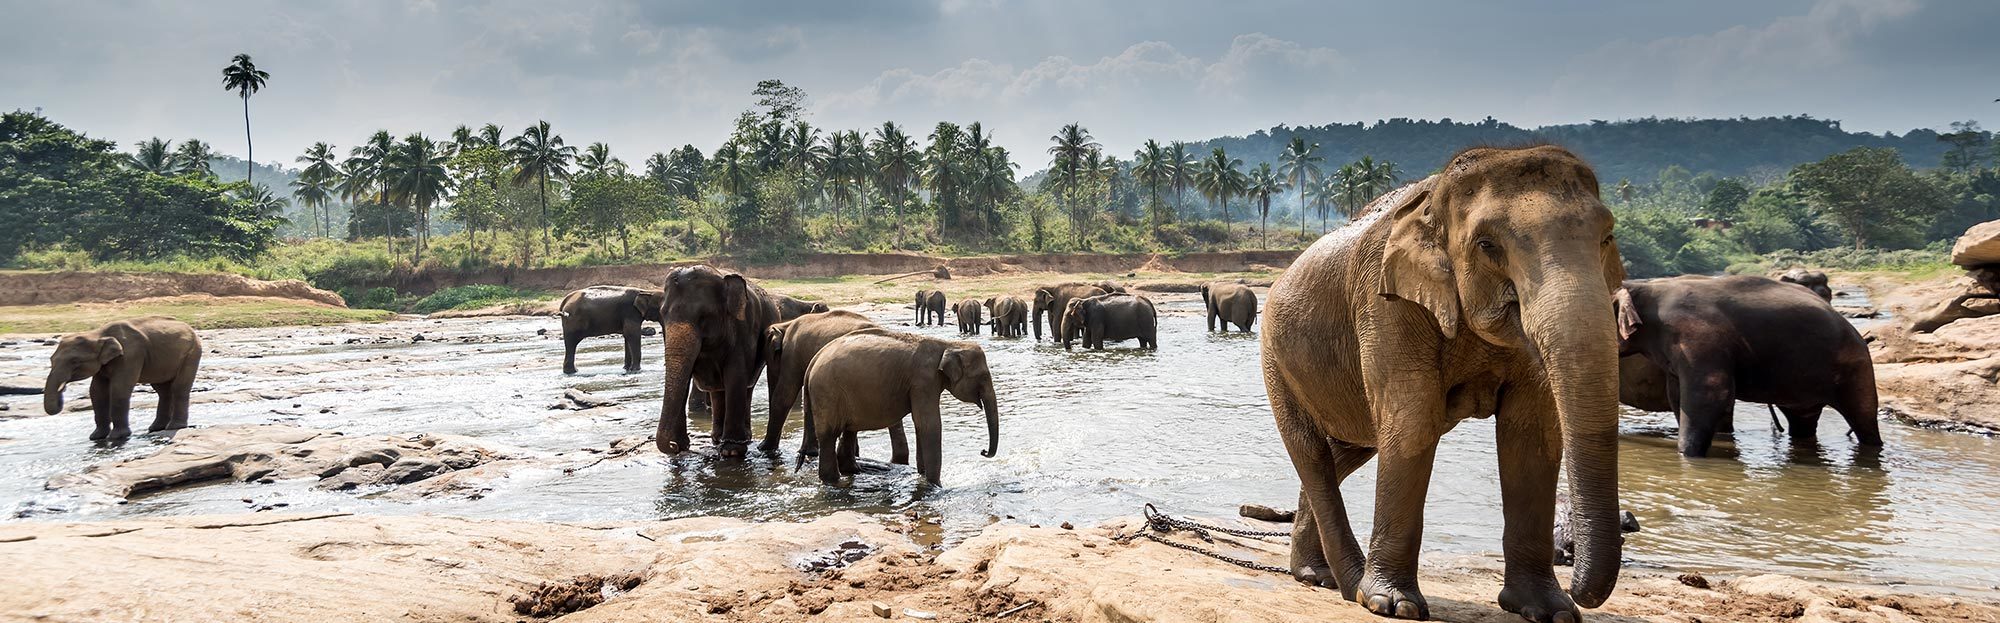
x=1084 y=436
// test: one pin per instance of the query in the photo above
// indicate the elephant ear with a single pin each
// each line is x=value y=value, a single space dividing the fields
x=775 y=336
x=736 y=295
x=108 y=349
x=1415 y=265
x=1628 y=314
x=952 y=365
x=649 y=305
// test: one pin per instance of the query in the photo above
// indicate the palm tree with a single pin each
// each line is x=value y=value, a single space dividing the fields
x=370 y=161
x=319 y=175
x=417 y=176
x=490 y=135
x=895 y=164
x=992 y=173
x=540 y=154
x=943 y=172
x=1218 y=177
x=243 y=77
x=154 y=155
x=265 y=203
x=1072 y=145
x=1184 y=166
x=1301 y=166
x=845 y=166
x=193 y=158
x=462 y=138
x=597 y=160
x=1377 y=177
x=1264 y=182
x=1324 y=194
x=1352 y=191
x=1151 y=168
x=352 y=184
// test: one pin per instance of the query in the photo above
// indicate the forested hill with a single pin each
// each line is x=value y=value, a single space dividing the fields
x=1636 y=149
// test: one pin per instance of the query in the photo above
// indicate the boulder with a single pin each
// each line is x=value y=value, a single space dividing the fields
x=1980 y=245
x=249 y=453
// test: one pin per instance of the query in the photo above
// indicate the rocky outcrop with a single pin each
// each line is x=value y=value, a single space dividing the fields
x=1979 y=245
x=270 y=452
x=845 y=567
x=1941 y=369
x=51 y=288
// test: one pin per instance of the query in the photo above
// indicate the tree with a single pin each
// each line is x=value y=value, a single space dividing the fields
x=1301 y=166
x=1625 y=191
x=243 y=77
x=1152 y=168
x=477 y=169
x=370 y=162
x=895 y=166
x=1352 y=193
x=154 y=156
x=193 y=158
x=1072 y=145
x=597 y=160
x=315 y=185
x=781 y=102
x=417 y=176
x=1183 y=167
x=1726 y=199
x=610 y=202
x=1967 y=147
x=1377 y=177
x=1264 y=182
x=540 y=154
x=944 y=173
x=1869 y=193
x=1219 y=179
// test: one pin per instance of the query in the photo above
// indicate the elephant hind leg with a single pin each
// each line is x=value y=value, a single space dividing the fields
x=1803 y=422
x=1324 y=550
x=899 y=444
x=163 y=414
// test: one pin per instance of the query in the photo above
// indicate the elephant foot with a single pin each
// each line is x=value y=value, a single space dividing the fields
x=1541 y=602
x=1384 y=600
x=732 y=449
x=569 y=370
x=680 y=443
x=632 y=370
x=769 y=447
x=1319 y=575
x=99 y=434
x=120 y=433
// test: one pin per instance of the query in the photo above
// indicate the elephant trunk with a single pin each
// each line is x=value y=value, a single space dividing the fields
x=1038 y=323
x=52 y=394
x=1569 y=319
x=683 y=345
x=992 y=406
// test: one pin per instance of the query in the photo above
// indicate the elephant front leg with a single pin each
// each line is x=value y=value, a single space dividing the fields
x=1804 y=423
x=1528 y=466
x=899 y=445
x=632 y=347
x=930 y=439
x=734 y=420
x=100 y=409
x=1403 y=477
x=569 y=352
x=121 y=409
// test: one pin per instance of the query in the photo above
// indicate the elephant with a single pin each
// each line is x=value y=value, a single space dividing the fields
x=968 y=312
x=715 y=327
x=1231 y=302
x=790 y=308
x=1812 y=279
x=790 y=347
x=1111 y=317
x=1721 y=339
x=869 y=379
x=1010 y=315
x=1480 y=291
x=930 y=305
x=606 y=310
x=1054 y=300
x=155 y=350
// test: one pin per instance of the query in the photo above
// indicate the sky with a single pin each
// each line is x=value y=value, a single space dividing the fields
x=650 y=76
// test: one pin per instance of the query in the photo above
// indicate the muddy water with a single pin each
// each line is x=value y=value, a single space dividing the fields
x=1085 y=436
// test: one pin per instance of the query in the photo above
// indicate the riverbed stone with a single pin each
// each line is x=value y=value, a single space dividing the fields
x=1980 y=245
x=278 y=452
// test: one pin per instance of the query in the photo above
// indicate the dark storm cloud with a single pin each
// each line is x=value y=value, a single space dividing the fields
x=647 y=76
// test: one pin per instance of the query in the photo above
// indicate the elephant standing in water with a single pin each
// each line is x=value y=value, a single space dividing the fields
x=116 y=357
x=930 y=307
x=791 y=346
x=1111 y=317
x=1054 y=301
x=716 y=325
x=1722 y=339
x=968 y=312
x=871 y=378
x=1811 y=279
x=606 y=310
x=1230 y=302
x=789 y=308
x=1482 y=290
x=1010 y=315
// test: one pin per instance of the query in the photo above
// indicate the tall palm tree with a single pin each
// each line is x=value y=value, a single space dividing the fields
x=540 y=154
x=265 y=203
x=1152 y=169
x=194 y=158
x=1301 y=166
x=490 y=135
x=1219 y=177
x=462 y=138
x=1264 y=182
x=320 y=173
x=1182 y=168
x=943 y=172
x=992 y=179
x=846 y=165
x=417 y=177
x=1377 y=177
x=370 y=161
x=597 y=160
x=895 y=164
x=154 y=155
x=352 y=184
x=1072 y=145
x=1324 y=194
x=243 y=77
x=1352 y=193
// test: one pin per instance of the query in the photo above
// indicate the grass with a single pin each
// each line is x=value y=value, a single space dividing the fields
x=199 y=311
x=476 y=297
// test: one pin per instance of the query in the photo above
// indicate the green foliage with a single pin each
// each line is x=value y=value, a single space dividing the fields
x=372 y=298
x=469 y=297
x=1871 y=196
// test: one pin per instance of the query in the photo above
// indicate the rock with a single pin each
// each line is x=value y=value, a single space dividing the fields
x=1265 y=513
x=882 y=610
x=379 y=456
x=350 y=478
x=1980 y=245
x=276 y=452
x=542 y=331
x=411 y=469
x=578 y=399
x=419 y=338
x=648 y=331
x=1692 y=580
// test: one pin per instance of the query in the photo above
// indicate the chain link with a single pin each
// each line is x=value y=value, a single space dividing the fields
x=1158 y=523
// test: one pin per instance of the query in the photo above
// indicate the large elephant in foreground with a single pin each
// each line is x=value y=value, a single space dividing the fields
x=1723 y=339
x=606 y=310
x=1054 y=299
x=116 y=357
x=870 y=379
x=1231 y=302
x=715 y=331
x=1483 y=290
x=790 y=346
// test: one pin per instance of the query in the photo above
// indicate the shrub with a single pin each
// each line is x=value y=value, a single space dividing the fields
x=466 y=297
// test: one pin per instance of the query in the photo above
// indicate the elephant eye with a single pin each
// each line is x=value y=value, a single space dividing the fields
x=1610 y=238
x=1486 y=244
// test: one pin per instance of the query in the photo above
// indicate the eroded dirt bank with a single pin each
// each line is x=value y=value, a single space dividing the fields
x=51 y=288
x=846 y=567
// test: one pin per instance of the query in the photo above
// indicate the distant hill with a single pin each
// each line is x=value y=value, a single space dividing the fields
x=278 y=179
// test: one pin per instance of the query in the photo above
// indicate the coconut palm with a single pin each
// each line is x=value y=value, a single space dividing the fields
x=1301 y=166
x=314 y=186
x=1264 y=182
x=370 y=161
x=1072 y=145
x=154 y=155
x=1152 y=169
x=992 y=180
x=243 y=77
x=895 y=163
x=597 y=160
x=416 y=176
x=260 y=199
x=1219 y=177
x=540 y=154
x=1352 y=193
x=1324 y=194
x=490 y=135
x=943 y=172
x=1182 y=169
x=1377 y=177
x=194 y=158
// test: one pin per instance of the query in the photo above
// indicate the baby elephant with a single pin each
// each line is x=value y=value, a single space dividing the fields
x=607 y=310
x=1111 y=317
x=871 y=378
x=930 y=307
x=788 y=348
x=968 y=311
x=155 y=350
x=1231 y=302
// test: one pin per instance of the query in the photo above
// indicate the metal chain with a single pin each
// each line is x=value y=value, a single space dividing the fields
x=1158 y=523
